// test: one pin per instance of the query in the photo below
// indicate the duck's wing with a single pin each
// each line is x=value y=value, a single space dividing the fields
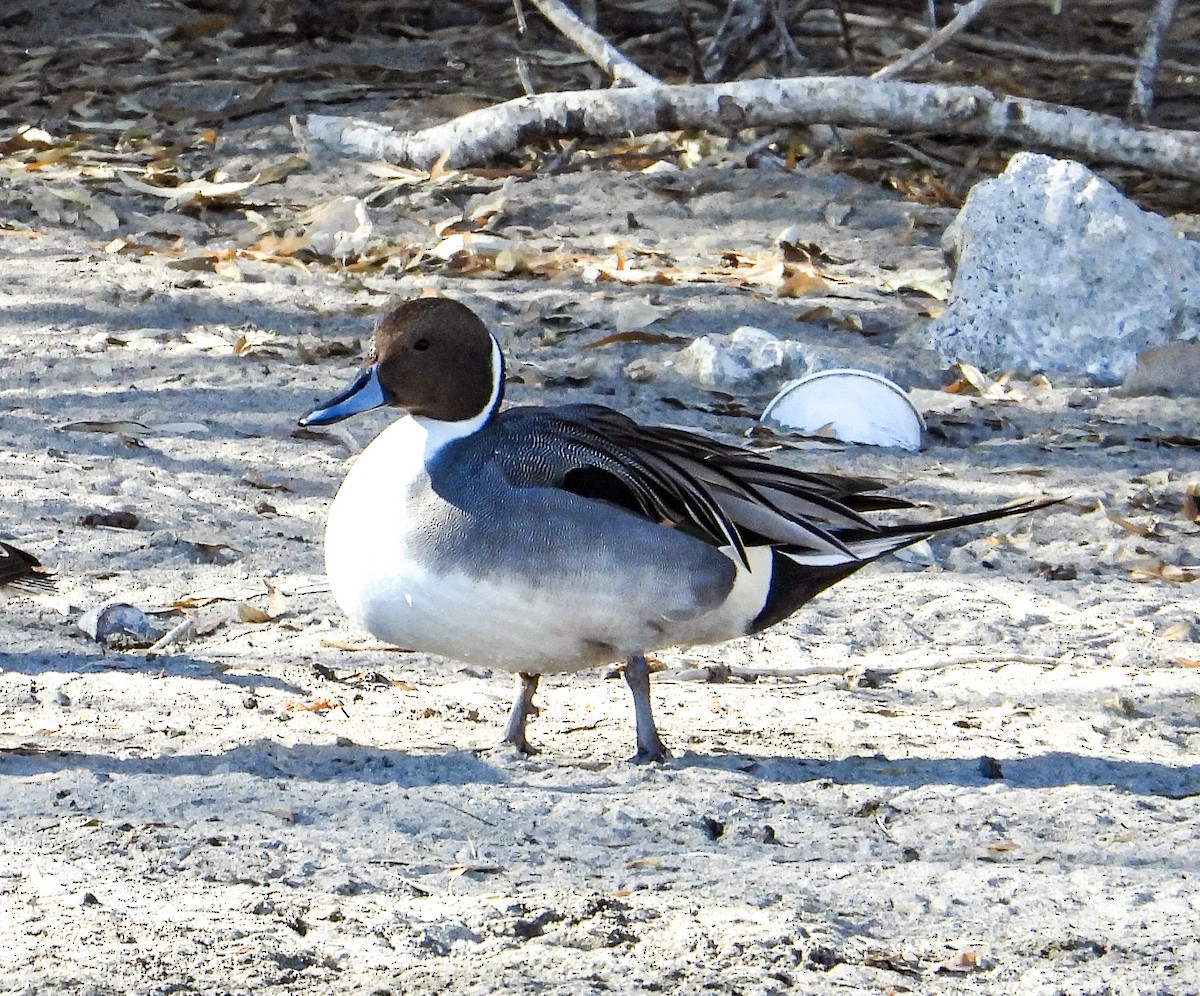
x=22 y=571
x=725 y=495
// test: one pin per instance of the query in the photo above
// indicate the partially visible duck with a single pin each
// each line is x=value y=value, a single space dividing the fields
x=541 y=540
x=23 y=572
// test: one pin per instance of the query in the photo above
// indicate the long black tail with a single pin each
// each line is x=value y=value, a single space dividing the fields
x=798 y=574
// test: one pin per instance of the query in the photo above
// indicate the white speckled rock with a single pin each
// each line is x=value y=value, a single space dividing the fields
x=746 y=358
x=1058 y=272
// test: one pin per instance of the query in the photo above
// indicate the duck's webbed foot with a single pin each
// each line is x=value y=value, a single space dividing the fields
x=650 y=747
x=522 y=709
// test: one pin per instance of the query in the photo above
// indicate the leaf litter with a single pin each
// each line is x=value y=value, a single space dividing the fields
x=878 y=907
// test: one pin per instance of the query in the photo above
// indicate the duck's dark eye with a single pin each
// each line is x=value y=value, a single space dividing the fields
x=420 y=345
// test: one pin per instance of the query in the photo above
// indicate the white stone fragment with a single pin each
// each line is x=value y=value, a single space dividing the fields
x=1058 y=272
x=747 y=357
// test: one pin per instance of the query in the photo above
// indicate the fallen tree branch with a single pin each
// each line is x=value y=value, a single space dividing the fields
x=593 y=44
x=966 y=14
x=901 y=107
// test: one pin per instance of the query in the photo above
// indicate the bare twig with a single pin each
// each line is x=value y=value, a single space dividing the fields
x=177 y=634
x=966 y=14
x=524 y=75
x=595 y=46
x=888 y=664
x=899 y=107
x=994 y=46
x=749 y=29
x=1142 y=97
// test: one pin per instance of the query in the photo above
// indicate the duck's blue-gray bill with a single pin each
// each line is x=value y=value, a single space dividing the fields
x=361 y=396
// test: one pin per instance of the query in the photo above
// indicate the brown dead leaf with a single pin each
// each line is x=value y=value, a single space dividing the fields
x=1003 y=846
x=372 y=646
x=646 y=338
x=248 y=613
x=1178 y=631
x=802 y=281
x=961 y=962
x=1154 y=569
x=795 y=251
x=1191 y=503
x=263 y=484
x=282 y=170
x=1173 y=440
x=276 y=607
x=1186 y=662
x=200 y=601
x=271 y=246
x=110 y=520
x=317 y=705
x=202 y=27
x=972 y=378
x=1127 y=524
x=925 y=187
x=214 y=553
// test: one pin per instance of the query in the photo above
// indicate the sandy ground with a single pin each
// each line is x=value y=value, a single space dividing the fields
x=972 y=772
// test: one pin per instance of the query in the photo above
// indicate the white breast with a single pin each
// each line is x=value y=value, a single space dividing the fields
x=366 y=538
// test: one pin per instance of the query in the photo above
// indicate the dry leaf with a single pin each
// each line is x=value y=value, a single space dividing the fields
x=1191 y=503
x=260 y=482
x=317 y=705
x=191 y=192
x=647 y=338
x=282 y=170
x=213 y=552
x=802 y=282
x=1126 y=524
x=248 y=613
x=128 y=428
x=975 y=378
x=962 y=962
x=633 y=314
x=1154 y=569
x=110 y=520
x=363 y=647
x=934 y=283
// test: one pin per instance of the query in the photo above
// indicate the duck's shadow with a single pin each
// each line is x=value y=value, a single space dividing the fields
x=371 y=765
x=271 y=760
x=1052 y=769
x=165 y=666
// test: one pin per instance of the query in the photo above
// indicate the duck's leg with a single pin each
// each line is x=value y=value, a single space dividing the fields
x=649 y=746
x=522 y=709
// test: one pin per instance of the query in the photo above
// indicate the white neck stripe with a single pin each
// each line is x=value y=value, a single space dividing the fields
x=439 y=433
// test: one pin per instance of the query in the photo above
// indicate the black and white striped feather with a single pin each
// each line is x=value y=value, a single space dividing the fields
x=23 y=572
x=720 y=493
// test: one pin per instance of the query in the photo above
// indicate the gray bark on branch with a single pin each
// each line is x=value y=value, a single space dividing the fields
x=477 y=137
x=593 y=44
x=1142 y=98
x=966 y=14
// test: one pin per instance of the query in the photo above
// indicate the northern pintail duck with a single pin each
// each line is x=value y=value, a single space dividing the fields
x=541 y=540
x=23 y=572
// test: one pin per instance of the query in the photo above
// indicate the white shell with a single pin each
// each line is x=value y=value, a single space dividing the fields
x=855 y=406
